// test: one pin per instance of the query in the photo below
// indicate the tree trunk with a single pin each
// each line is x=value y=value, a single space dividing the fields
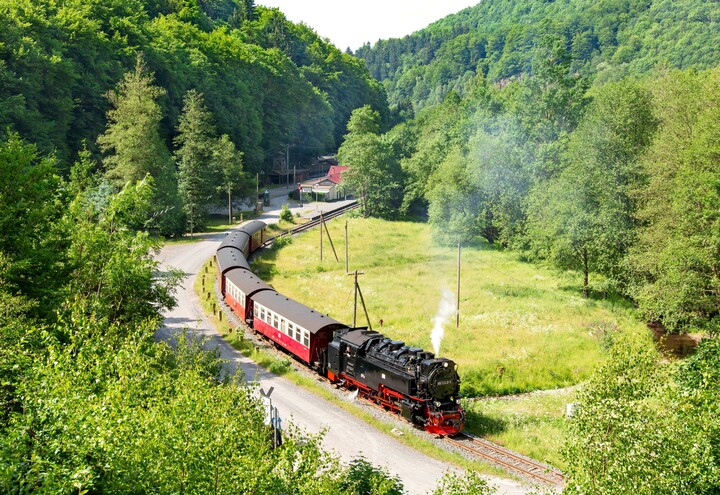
x=229 y=206
x=586 y=276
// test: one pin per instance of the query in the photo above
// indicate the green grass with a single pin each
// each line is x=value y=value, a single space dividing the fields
x=530 y=423
x=522 y=327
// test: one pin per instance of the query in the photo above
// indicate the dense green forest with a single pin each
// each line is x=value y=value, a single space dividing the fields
x=607 y=40
x=267 y=82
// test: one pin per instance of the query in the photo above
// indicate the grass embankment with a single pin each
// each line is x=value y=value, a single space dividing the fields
x=522 y=327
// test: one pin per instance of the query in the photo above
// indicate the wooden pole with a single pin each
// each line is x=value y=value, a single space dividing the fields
x=330 y=239
x=346 y=248
x=362 y=299
x=357 y=290
x=229 y=205
x=457 y=309
x=321 y=236
x=355 y=302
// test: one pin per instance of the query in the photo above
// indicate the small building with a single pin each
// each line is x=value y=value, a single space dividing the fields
x=325 y=188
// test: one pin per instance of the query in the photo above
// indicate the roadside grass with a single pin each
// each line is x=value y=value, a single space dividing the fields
x=282 y=366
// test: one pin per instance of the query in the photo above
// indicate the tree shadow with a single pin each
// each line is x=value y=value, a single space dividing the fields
x=482 y=425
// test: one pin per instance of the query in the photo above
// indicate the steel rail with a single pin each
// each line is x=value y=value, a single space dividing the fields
x=314 y=222
x=508 y=459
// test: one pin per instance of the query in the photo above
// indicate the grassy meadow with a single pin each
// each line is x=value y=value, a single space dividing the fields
x=522 y=327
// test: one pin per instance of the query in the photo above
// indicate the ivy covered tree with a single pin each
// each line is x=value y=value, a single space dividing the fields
x=32 y=235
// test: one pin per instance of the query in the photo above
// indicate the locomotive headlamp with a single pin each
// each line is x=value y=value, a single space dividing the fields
x=445 y=364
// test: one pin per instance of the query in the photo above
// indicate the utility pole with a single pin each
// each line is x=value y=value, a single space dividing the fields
x=332 y=245
x=229 y=190
x=287 y=163
x=457 y=309
x=346 y=248
x=321 y=235
x=362 y=300
x=355 y=274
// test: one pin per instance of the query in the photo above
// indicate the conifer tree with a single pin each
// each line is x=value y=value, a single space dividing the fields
x=197 y=174
x=133 y=145
x=228 y=161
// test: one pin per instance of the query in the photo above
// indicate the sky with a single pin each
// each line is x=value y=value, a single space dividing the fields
x=352 y=23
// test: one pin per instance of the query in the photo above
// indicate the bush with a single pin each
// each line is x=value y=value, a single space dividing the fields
x=286 y=215
x=283 y=241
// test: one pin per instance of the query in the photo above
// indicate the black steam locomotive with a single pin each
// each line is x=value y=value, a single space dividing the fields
x=423 y=389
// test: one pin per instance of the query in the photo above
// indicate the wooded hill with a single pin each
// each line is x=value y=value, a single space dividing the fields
x=607 y=40
x=267 y=82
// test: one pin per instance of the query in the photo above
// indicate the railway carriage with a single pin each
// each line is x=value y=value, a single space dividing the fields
x=255 y=230
x=241 y=287
x=237 y=239
x=228 y=259
x=303 y=331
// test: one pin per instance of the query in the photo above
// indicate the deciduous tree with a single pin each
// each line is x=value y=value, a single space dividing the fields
x=374 y=175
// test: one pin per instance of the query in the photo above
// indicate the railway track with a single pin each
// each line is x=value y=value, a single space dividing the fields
x=507 y=459
x=314 y=222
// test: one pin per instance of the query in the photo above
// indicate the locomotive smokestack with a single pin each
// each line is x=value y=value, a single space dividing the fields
x=446 y=310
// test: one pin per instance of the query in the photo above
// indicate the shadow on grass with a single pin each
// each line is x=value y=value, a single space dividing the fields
x=481 y=425
x=610 y=297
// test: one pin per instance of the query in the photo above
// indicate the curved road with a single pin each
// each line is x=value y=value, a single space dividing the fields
x=345 y=434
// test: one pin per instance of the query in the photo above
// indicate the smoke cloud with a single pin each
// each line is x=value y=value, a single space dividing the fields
x=446 y=310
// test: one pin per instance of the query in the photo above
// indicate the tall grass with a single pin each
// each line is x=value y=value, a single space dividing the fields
x=522 y=327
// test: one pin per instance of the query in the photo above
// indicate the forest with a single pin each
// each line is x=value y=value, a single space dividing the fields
x=581 y=135
x=607 y=40
x=265 y=83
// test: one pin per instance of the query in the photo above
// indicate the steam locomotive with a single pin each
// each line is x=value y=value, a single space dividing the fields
x=406 y=380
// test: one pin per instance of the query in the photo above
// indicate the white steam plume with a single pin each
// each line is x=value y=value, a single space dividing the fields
x=446 y=309
x=351 y=397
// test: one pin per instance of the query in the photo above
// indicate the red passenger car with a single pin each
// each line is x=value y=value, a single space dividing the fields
x=255 y=229
x=303 y=331
x=229 y=258
x=241 y=287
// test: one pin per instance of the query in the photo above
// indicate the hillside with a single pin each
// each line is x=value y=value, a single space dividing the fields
x=607 y=40
x=267 y=81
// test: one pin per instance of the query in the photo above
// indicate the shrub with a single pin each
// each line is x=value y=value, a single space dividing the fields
x=286 y=215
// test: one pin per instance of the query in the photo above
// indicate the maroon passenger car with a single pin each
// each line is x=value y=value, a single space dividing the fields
x=303 y=331
x=241 y=286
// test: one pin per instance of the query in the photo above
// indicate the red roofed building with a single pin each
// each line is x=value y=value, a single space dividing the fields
x=335 y=173
x=326 y=186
